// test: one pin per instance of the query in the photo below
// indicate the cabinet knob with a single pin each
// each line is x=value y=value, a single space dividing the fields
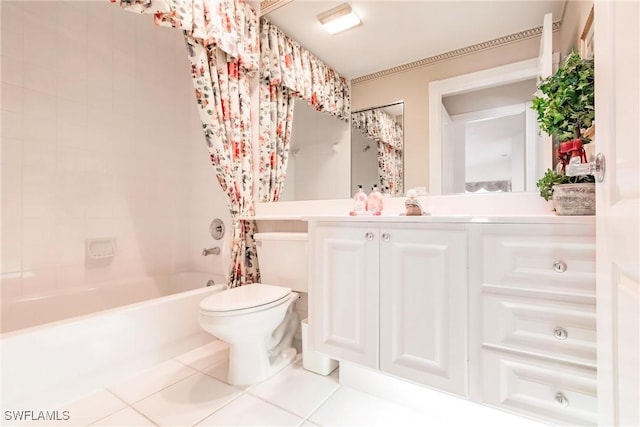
x=560 y=333
x=368 y=236
x=561 y=399
x=559 y=266
x=386 y=237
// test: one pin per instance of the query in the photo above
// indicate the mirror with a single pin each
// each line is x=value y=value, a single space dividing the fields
x=377 y=155
x=319 y=156
x=328 y=157
x=486 y=134
x=387 y=65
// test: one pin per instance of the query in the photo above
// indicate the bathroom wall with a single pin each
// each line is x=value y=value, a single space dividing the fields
x=574 y=19
x=100 y=138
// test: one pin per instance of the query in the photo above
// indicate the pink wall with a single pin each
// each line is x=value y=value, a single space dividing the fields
x=100 y=138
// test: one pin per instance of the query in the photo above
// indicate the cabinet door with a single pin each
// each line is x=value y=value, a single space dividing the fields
x=423 y=310
x=344 y=292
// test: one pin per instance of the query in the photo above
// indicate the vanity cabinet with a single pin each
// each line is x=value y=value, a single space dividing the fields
x=392 y=297
x=533 y=293
x=344 y=296
x=500 y=311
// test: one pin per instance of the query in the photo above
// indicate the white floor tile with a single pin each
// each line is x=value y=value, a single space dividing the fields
x=206 y=356
x=150 y=381
x=468 y=413
x=126 y=417
x=296 y=389
x=188 y=401
x=350 y=407
x=251 y=411
x=91 y=408
x=220 y=371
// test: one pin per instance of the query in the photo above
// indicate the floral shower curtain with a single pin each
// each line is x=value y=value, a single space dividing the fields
x=284 y=62
x=222 y=43
x=224 y=100
x=275 y=122
x=382 y=128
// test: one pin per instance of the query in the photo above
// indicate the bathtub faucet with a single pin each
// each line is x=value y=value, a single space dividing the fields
x=211 y=251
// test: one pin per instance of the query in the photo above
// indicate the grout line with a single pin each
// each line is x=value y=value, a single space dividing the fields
x=308 y=418
x=223 y=406
x=111 y=413
x=303 y=419
x=146 y=417
x=157 y=391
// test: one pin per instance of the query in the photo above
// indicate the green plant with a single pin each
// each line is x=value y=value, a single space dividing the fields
x=565 y=105
x=551 y=178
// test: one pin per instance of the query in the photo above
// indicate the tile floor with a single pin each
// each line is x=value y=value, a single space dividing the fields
x=190 y=390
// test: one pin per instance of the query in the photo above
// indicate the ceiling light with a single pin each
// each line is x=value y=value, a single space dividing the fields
x=339 y=19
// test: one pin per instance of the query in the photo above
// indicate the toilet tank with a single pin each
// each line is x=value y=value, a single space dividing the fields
x=282 y=257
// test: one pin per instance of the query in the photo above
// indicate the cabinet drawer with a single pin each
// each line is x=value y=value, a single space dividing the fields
x=543 y=262
x=552 y=392
x=554 y=329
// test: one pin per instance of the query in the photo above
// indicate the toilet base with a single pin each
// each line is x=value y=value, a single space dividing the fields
x=250 y=364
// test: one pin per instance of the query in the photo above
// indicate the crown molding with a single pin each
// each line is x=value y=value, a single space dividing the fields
x=267 y=6
x=511 y=38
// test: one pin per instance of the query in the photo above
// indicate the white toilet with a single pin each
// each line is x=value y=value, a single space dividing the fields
x=258 y=321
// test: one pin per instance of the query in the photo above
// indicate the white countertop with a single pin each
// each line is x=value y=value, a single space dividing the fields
x=509 y=208
x=487 y=219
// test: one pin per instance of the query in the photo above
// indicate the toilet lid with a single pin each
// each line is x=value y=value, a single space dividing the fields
x=243 y=297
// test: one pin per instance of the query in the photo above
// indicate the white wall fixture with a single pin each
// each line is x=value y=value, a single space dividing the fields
x=100 y=251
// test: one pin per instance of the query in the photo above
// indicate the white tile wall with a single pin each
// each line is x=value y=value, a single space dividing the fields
x=100 y=138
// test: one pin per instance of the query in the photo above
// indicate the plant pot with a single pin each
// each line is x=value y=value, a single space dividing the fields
x=575 y=199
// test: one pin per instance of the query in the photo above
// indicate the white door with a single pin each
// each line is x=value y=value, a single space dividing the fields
x=543 y=160
x=344 y=312
x=423 y=297
x=617 y=47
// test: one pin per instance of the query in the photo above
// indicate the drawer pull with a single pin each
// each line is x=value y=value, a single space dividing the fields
x=560 y=333
x=368 y=236
x=561 y=399
x=386 y=237
x=559 y=266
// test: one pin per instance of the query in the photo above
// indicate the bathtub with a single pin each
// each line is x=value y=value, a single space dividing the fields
x=51 y=364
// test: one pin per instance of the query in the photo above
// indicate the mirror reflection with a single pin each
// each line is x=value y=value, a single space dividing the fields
x=387 y=62
x=319 y=156
x=329 y=158
x=377 y=151
x=485 y=133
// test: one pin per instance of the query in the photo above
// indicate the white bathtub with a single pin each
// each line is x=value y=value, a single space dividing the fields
x=33 y=310
x=50 y=364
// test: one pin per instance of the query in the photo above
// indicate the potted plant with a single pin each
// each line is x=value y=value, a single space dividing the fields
x=571 y=195
x=565 y=108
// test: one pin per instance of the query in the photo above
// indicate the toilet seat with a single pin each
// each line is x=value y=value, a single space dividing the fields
x=244 y=299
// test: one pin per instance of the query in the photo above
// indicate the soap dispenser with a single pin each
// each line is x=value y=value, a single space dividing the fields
x=374 y=201
x=359 y=201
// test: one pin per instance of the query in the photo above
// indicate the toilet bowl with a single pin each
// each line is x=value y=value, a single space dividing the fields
x=258 y=320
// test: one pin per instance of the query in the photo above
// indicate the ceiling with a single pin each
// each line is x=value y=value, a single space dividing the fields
x=399 y=32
